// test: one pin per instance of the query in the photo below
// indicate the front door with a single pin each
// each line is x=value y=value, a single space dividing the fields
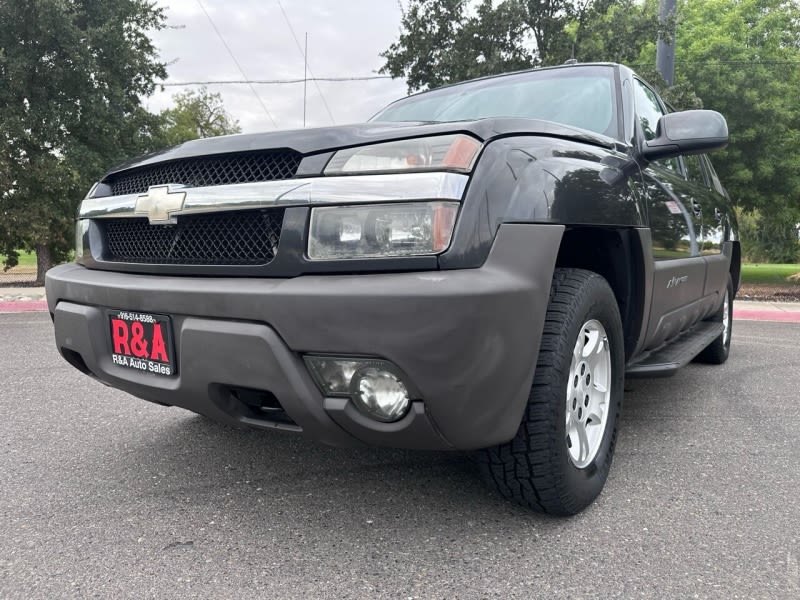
x=679 y=272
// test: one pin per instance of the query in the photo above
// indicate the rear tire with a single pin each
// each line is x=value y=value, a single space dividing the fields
x=559 y=459
x=717 y=351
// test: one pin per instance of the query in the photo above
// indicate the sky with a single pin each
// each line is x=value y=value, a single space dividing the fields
x=345 y=38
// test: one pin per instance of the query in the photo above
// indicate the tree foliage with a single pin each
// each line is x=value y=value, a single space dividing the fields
x=72 y=73
x=196 y=114
x=442 y=42
x=740 y=57
x=446 y=41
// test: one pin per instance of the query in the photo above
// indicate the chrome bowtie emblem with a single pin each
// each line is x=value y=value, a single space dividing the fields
x=158 y=205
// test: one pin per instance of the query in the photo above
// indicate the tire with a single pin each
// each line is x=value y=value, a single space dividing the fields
x=717 y=351
x=537 y=468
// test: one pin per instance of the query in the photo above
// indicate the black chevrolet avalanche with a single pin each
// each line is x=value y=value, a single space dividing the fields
x=479 y=268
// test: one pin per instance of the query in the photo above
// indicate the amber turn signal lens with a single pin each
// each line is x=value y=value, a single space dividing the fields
x=452 y=152
x=444 y=219
x=462 y=153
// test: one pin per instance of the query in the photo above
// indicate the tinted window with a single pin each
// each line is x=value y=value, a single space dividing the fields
x=582 y=97
x=713 y=176
x=649 y=111
x=670 y=227
x=694 y=171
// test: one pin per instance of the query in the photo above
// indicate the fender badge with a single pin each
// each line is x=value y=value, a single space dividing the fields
x=676 y=281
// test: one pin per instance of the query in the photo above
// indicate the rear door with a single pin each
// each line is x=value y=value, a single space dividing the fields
x=716 y=247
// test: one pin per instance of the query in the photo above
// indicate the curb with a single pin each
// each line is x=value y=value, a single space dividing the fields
x=23 y=306
x=767 y=315
x=738 y=313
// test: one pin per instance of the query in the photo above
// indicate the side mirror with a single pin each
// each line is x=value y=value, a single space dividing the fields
x=687 y=132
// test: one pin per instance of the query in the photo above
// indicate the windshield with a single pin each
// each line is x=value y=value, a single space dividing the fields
x=576 y=96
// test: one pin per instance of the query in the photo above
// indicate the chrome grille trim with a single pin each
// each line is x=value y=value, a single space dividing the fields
x=351 y=189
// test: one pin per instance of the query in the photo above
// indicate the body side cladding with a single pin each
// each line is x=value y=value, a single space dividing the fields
x=644 y=245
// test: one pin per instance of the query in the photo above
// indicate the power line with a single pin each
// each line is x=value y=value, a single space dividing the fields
x=711 y=63
x=272 y=81
x=300 y=48
x=241 y=70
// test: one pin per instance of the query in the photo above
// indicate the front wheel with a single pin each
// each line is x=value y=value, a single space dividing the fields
x=559 y=459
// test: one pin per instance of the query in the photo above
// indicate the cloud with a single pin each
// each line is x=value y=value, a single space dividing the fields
x=344 y=38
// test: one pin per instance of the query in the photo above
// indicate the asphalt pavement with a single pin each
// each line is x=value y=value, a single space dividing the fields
x=103 y=495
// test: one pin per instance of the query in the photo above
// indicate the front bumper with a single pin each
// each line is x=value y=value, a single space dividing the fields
x=466 y=339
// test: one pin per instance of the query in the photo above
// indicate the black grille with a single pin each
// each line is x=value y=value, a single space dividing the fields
x=243 y=167
x=248 y=237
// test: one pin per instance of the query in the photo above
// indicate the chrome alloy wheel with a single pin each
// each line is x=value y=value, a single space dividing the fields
x=588 y=393
x=726 y=319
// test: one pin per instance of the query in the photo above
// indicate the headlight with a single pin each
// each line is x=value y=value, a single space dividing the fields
x=381 y=230
x=456 y=152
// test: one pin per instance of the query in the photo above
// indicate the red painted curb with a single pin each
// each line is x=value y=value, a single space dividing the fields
x=767 y=315
x=741 y=314
x=16 y=306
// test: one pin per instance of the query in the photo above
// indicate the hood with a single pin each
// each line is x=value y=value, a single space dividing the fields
x=327 y=139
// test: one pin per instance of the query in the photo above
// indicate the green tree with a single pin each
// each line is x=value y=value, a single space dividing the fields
x=72 y=73
x=625 y=31
x=441 y=42
x=614 y=31
x=446 y=41
x=196 y=114
x=743 y=59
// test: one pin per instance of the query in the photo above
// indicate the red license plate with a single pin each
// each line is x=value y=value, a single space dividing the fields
x=142 y=342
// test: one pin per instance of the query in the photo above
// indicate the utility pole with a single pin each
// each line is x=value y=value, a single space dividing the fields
x=665 y=48
x=305 y=80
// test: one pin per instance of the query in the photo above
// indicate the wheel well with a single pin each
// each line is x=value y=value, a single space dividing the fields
x=617 y=256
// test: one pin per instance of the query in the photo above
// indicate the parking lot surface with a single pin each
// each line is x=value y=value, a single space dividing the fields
x=104 y=495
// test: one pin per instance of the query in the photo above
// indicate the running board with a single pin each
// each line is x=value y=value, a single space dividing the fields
x=665 y=361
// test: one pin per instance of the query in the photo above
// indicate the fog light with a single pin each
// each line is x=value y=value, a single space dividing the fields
x=380 y=393
x=332 y=375
x=375 y=386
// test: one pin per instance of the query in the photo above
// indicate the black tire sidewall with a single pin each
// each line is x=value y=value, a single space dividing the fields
x=726 y=344
x=717 y=352
x=584 y=484
x=534 y=469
